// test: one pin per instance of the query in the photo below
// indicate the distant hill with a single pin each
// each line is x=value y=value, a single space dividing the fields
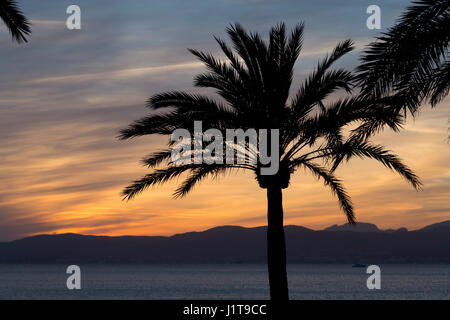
x=437 y=226
x=359 y=227
x=370 y=227
x=231 y=244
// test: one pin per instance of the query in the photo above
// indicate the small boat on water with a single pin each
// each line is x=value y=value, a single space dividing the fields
x=358 y=265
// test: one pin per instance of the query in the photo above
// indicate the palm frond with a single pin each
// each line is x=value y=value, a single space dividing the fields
x=320 y=83
x=186 y=108
x=184 y=102
x=196 y=176
x=440 y=84
x=336 y=187
x=17 y=24
x=156 y=158
x=404 y=60
x=234 y=60
x=222 y=72
x=294 y=45
x=247 y=51
x=157 y=177
x=377 y=152
x=153 y=124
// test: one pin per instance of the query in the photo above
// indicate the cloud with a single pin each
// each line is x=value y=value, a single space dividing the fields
x=123 y=74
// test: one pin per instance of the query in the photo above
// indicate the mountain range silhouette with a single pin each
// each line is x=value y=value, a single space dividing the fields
x=363 y=243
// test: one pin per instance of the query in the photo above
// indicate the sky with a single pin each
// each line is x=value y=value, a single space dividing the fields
x=65 y=95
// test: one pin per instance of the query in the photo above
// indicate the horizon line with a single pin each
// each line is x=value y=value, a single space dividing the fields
x=221 y=226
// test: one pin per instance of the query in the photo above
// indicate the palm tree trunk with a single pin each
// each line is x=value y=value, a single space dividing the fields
x=276 y=245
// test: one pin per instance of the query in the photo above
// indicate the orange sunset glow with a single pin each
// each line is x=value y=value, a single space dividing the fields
x=62 y=167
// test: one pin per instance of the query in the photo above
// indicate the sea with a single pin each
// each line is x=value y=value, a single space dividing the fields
x=225 y=281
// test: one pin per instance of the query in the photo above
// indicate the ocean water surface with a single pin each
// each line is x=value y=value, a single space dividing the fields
x=230 y=281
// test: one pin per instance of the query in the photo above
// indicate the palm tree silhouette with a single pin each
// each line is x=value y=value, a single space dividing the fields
x=15 y=21
x=411 y=61
x=254 y=87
